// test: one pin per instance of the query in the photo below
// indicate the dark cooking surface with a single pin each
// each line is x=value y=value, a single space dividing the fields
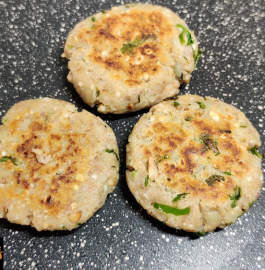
x=121 y=235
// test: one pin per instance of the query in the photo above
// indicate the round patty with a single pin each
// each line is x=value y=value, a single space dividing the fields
x=57 y=165
x=193 y=163
x=130 y=57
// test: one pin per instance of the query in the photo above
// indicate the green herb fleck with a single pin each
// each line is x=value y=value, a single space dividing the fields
x=188 y=118
x=176 y=103
x=139 y=99
x=190 y=39
x=64 y=228
x=199 y=234
x=103 y=11
x=207 y=140
x=243 y=126
x=93 y=26
x=6 y=158
x=180 y=196
x=212 y=179
x=254 y=151
x=228 y=173
x=164 y=157
x=250 y=204
x=58 y=173
x=128 y=47
x=93 y=19
x=236 y=196
x=197 y=57
x=172 y=210
x=146 y=181
x=186 y=59
x=71 y=47
x=112 y=151
x=168 y=179
x=79 y=224
x=202 y=105
x=133 y=173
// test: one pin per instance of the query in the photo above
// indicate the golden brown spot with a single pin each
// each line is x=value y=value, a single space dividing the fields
x=56 y=137
x=106 y=34
x=119 y=30
x=146 y=152
x=219 y=191
x=205 y=127
x=130 y=106
x=229 y=144
x=36 y=126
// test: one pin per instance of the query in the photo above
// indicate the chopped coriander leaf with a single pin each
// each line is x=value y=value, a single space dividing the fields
x=93 y=19
x=207 y=140
x=212 y=179
x=236 y=196
x=146 y=181
x=254 y=151
x=6 y=158
x=228 y=173
x=139 y=98
x=186 y=59
x=197 y=57
x=112 y=151
x=172 y=210
x=79 y=224
x=71 y=47
x=243 y=126
x=201 y=233
x=250 y=204
x=176 y=103
x=190 y=39
x=93 y=26
x=128 y=47
x=202 y=105
x=188 y=118
x=64 y=228
x=180 y=196
x=133 y=173
x=168 y=179
x=127 y=6
x=103 y=11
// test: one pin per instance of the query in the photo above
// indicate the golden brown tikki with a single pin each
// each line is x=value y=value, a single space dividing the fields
x=193 y=163
x=130 y=57
x=57 y=165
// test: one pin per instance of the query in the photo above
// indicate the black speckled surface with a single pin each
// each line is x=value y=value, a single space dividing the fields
x=121 y=235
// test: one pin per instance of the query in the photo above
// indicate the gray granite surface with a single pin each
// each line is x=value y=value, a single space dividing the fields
x=121 y=235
